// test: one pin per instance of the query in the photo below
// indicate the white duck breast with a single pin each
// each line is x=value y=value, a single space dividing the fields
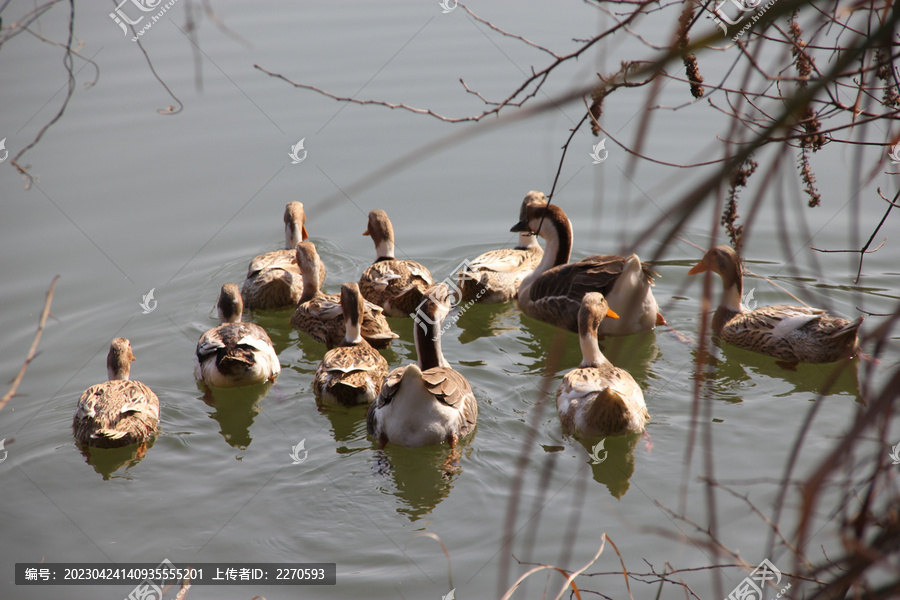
x=235 y=353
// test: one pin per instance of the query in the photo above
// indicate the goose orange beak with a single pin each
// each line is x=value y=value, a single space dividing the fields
x=366 y=232
x=700 y=267
x=303 y=234
x=611 y=314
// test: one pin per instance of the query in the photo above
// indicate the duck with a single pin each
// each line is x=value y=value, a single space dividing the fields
x=319 y=314
x=426 y=402
x=234 y=353
x=352 y=373
x=597 y=398
x=792 y=334
x=553 y=291
x=395 y=285
x=118 y=412
x=274 y=279
x=495 y=276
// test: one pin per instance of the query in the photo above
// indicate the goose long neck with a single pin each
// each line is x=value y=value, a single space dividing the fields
x=385 y=249
x=732 y=292
x=428 y=345
x=558 y=236
x=292 y=235
x=590 y=350
x=352 y=327
x=311 y=284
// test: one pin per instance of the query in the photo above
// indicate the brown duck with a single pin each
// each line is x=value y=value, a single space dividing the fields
x=118 y=412
x=351 y=373
x=395 y=285
x=790 y=333
x=274 y=279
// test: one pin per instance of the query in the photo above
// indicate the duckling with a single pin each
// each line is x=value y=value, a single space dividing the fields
x=118 y=412
x=428 y=402
x=553 y=291
x=792 y=334
x=353 y=372
x=597 y=398
x=397 y=286
x=235 y=353
x=320 y=316
x=274 y=279
x=495 y=276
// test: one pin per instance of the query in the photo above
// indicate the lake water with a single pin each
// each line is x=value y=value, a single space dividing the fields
x=129 y=200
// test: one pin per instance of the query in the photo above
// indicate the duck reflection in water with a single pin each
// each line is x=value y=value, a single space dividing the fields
x=107 y=461
x=235 y=410
x=422 y=477
x=736 y=367
x=612 y=461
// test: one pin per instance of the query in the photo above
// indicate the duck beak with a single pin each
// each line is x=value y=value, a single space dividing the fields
x=303 y=234
x=700 y=267
x=611 y=314
x=521 y=226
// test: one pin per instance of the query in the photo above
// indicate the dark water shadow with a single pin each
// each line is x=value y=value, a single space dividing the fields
x=422 y=477
x=612 y=461
x=235 y=409
x=107 y=461
x=735 y=367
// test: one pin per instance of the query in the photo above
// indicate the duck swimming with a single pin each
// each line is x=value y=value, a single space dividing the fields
x=793 y=334
x=118 y=412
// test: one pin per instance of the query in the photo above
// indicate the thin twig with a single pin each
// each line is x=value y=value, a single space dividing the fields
x=31 y=352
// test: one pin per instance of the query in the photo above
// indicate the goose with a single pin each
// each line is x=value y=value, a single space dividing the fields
x=495 y=276
x=553 y=291
x=273 y=279
x=351 y=373
x=118 y=412
x=235 y=353
x=599 y=399
x=320 y=316
x=397 y=286
x=427 y=402
x=793 y=334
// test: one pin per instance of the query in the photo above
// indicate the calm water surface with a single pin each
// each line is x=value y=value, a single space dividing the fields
x=130 y=200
